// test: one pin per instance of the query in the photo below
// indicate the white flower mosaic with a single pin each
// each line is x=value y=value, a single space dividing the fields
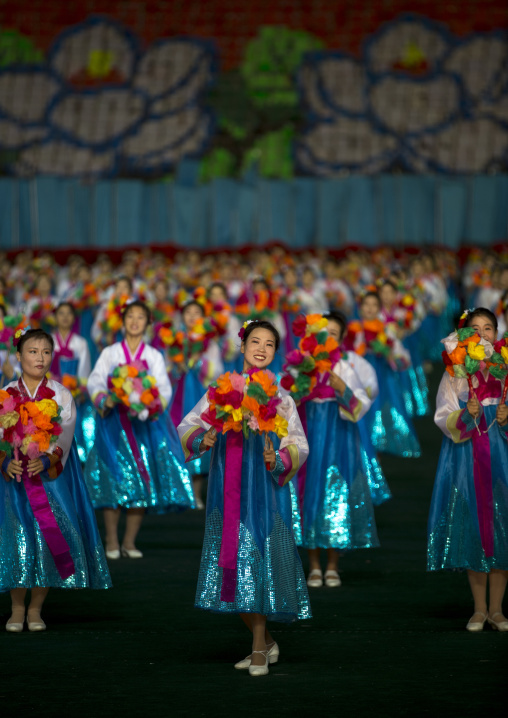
x=422 y=98
x=99 y=98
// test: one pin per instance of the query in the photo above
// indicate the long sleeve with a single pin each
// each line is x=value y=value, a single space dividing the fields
x=98 y=379
x=80 y=348
x=68 y=414
x=365 y=373
x=455 y=423
x=157 y=368
x=191 y=430
x=294 y=448
x=355 y=402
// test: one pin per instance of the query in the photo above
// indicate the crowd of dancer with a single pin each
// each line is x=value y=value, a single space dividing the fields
x=127 y=353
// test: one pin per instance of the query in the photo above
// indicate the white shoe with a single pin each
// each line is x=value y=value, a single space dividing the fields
x=36 y=625
x=260 y=670
x=273 y=657
x=315 y=579
x=498 y=625
x=477 y=626
x=13 y=627
x=332 y=579
x=113 y=555
x=131 y=553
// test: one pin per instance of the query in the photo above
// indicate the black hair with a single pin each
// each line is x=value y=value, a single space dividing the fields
x=125 y=279
x=339 y=318
x=388 y=282
x=141 y=305
x=67 y=304
x=194 y=303
x=262 y=324
x=35 y=334
x=370 y=294
x=261 y=280
x=481 y=312
x=220 y=285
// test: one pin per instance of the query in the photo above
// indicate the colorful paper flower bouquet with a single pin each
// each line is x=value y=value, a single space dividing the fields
x=310 y=365
x=466 y=352
x=247 y=403
x=28 y=426
x=133 y=388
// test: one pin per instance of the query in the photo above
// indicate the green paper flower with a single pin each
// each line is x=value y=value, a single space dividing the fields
x=465 y=333
x=472 y=365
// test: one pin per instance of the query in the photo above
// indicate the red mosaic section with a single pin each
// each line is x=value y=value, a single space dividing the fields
x=232 y=23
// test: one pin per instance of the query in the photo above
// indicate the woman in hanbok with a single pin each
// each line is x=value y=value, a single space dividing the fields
x=48 y=533
x=229 y=342
x=135 y=463
x=336 y=508
x=250 y=564
x=468 y=520
x=71 y=367
x=191 y=377
x=379 y=489
x=390 y=425
x=401 y=314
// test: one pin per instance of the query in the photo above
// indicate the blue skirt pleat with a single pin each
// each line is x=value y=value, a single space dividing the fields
x=337 y=509
x=112 y=475
x=25 y=559
x=270 y=578
x=390 y=426
x=453 y=528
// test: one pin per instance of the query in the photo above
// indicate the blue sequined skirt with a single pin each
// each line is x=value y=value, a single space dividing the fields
x=25 y=559
x=193 y=392
x=270 y=578
x=453 y=528
x=378 y=485
x=414 y=382
x=85 y=428
x=112 y=475
x=390 y=426
x=336 y=505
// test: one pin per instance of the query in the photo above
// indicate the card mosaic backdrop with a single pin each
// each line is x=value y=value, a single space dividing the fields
x=307 y=88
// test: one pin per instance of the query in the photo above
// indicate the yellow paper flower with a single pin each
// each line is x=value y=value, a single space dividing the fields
x=117 y=382
x=128 y=387
x=9 y=419
x=281 y=426
x=123 y=371
x=504 y=354
x=48 y=407
x=237 y=414
x=407 y=300
x=316 y=327
x=382 y=337
x=476 y=351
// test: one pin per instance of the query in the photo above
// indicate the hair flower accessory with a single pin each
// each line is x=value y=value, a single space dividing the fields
x=463 y=317
x=241 y=333
x=126 y=305
x=20 y=333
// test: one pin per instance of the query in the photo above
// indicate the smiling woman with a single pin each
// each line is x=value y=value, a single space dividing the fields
x=136 y=461
x=468 y=518
x=249 y=564
x=48 y=533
